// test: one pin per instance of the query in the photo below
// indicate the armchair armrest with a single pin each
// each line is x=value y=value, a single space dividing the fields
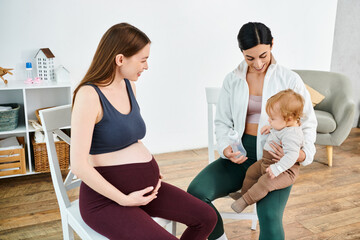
x=343 y=110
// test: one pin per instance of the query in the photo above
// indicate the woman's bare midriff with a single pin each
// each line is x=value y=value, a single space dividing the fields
x=135 y=153
x=251 y=129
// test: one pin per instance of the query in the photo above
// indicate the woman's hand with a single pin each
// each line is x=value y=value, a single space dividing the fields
x=156 y=190
x=302 y=156
x=232 y=156
x=137 y=198
x=279 y=152
x=271 y=174
x=265 y=129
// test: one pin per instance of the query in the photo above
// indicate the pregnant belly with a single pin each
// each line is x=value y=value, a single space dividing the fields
x=126 y=177
x=135 y=153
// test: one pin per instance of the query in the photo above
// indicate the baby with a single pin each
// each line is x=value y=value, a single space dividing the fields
x=284 y=110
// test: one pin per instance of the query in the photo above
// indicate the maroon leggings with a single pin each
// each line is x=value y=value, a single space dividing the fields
x=117 y=222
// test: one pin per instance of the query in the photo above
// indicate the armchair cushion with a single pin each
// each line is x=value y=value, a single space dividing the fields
x=315 y=96
x=326 y=122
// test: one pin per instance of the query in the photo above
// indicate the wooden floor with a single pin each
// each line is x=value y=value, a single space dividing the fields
x=324 y=202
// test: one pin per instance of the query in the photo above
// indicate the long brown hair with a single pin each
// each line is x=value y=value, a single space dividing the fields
x=121 y=38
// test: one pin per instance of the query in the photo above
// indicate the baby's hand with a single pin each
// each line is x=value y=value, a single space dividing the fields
x=268 y=170
x=265 y=129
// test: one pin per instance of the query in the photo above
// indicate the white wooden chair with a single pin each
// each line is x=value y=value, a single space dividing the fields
x=53 y=120
x=212 y=96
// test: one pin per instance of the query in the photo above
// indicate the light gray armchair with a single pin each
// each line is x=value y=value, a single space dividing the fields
x=335 y=114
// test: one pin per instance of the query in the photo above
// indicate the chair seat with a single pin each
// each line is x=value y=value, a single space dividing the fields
x=78 y=224
x=161 y=221
x=326 y=122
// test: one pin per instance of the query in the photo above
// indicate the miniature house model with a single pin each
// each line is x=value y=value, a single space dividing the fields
x=45 y=64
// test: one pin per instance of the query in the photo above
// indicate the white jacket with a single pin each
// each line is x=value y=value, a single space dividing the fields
x=232 y=107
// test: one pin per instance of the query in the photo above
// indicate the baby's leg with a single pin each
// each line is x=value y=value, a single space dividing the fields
x=252 y=176
x=266 y=184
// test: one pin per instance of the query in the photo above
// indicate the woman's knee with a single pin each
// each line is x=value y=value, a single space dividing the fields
x=204 y=186
x=208 y=184
x=206 y=217
x=199 y=191
x=210 y=215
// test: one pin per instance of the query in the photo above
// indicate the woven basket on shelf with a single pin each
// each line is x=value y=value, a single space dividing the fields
x=41 y=157
x=9 y=119
x=37 y=113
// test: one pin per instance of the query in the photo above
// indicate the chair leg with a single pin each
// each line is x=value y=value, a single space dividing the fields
x=329 y=150
x=254 y=221
x=171 y=228
x=67 y=230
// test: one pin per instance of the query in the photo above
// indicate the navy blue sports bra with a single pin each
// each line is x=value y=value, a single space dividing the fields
x=115 y=130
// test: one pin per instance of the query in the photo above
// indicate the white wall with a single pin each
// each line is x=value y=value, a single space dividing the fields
x=346 y=50
x=193 y=46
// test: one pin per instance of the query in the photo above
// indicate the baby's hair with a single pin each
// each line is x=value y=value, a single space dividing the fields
x=290 y=104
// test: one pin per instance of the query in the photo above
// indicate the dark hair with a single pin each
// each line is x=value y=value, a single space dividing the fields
x=252 y=34
x=121 y=38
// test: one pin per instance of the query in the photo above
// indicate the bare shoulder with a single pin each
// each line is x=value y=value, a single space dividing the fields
x=87 y=92
x=87 y=99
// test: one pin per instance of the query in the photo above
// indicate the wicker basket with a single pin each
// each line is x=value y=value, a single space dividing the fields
x=37 y=113
x=9 y=119
x=41 y=157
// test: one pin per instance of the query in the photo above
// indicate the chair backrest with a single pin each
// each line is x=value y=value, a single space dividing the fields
x=212 y=96
x=53 y=119
x=329 y=84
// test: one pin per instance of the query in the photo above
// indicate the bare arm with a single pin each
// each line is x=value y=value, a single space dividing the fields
x=86 y=109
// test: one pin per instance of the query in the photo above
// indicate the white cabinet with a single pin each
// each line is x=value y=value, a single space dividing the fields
x=30 y=98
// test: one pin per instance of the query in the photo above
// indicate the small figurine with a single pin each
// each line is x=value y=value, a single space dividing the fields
x=4 y=71
x=31 y=81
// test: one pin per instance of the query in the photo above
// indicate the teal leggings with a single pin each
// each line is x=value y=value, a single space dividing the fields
x=222 y=177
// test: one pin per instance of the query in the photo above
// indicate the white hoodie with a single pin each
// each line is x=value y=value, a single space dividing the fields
x=232 y=107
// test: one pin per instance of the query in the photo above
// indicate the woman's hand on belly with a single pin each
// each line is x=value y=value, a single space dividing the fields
x=141 y=197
